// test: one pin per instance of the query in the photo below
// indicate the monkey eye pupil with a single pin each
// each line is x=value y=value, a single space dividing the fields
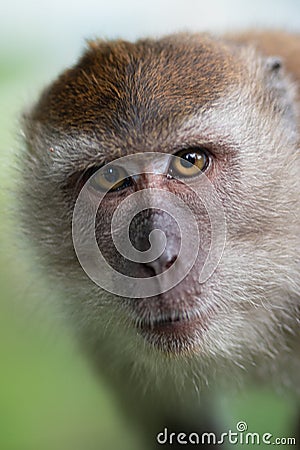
x=112 y=175
x=188 y=160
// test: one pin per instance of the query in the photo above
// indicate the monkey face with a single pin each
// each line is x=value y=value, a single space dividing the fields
x=229 y=117
x=146 y=224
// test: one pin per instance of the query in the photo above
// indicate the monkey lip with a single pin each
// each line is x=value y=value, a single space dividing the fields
x=164 y=322
x=180 y=326
x=174 y=336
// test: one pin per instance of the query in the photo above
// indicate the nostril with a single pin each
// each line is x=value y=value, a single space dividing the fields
x=163 y=263
x=169 y=263
x=151 y=272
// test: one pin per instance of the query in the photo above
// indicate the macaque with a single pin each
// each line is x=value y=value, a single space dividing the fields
x=224 y=109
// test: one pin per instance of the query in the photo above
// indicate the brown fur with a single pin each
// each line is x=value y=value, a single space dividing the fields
x=124 y=90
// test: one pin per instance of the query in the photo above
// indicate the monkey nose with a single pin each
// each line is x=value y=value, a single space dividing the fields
x=163 y=263
x=157 y=231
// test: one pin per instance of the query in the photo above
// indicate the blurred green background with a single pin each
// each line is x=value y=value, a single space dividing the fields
x=49 y=398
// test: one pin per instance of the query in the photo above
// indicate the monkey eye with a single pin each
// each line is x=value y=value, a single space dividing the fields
x=189 y=162
x=111 y=179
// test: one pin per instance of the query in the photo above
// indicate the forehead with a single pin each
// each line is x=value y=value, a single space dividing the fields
x=120 y=87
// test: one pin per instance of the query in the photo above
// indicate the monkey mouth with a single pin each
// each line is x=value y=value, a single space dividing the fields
x=171 y=324
x=174 y=333
x=163 y=322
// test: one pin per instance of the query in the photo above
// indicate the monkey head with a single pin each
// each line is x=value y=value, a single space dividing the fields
x=212 y=130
